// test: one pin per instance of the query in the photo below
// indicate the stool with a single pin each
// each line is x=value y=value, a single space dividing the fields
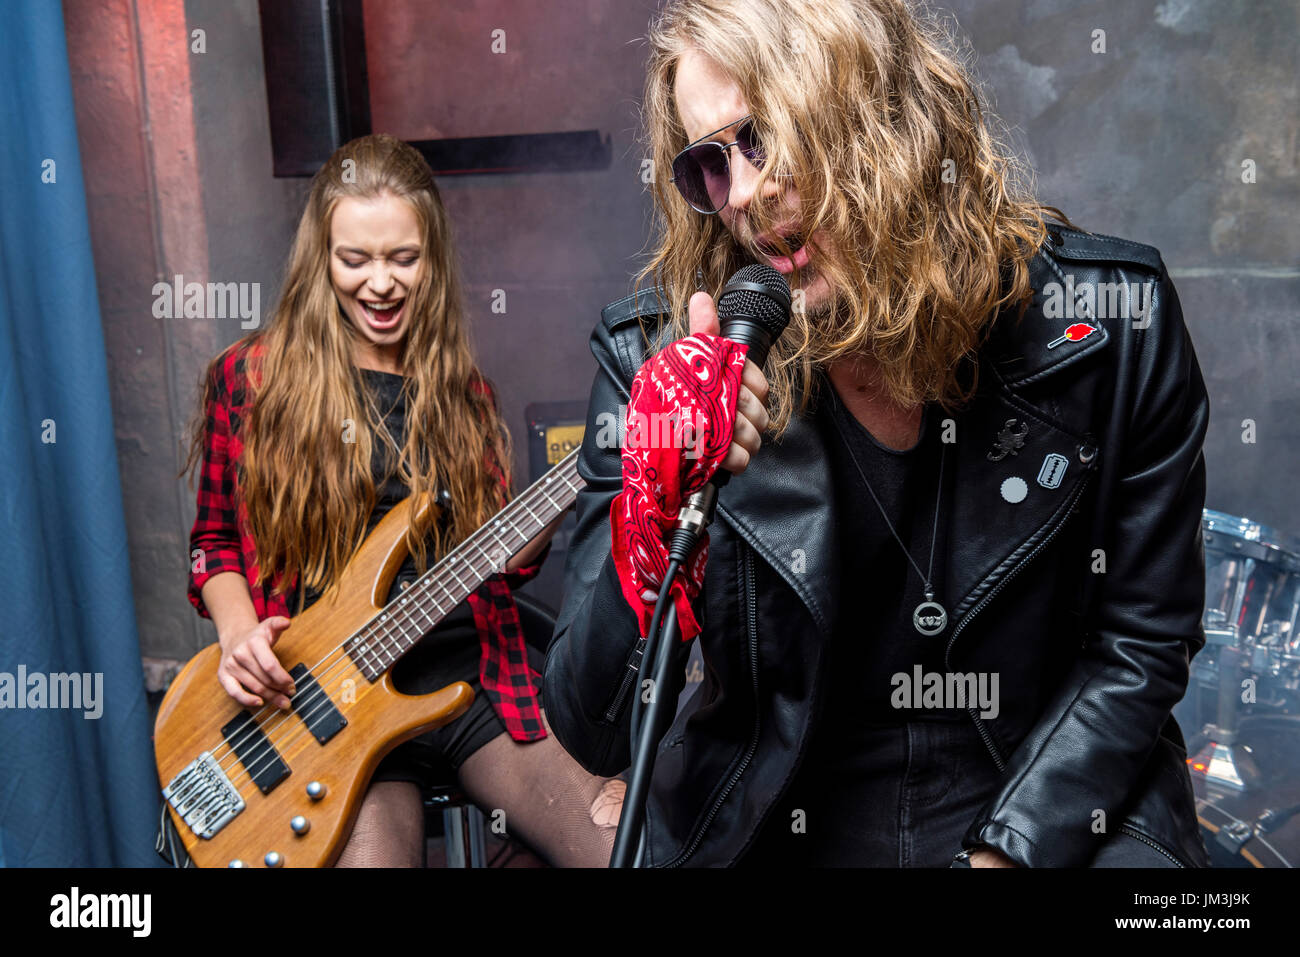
x=464 y=828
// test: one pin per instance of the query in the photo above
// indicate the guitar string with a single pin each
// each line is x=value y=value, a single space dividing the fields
x=273 y=747
x=540 y=488
x=379 y=643
x=375 y=644
x=380 y=639
x=265 y=751
x=286 y=742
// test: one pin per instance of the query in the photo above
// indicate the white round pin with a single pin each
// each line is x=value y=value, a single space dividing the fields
x=1014 y=489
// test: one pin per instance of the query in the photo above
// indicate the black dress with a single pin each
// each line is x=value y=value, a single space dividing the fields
x=447 y=653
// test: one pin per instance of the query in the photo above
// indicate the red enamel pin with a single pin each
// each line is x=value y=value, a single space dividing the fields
x=1075 y=333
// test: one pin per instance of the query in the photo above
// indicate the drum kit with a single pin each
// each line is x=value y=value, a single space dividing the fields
x=1241 y=712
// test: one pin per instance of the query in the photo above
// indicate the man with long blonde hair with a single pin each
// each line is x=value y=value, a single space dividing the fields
x=956 y=579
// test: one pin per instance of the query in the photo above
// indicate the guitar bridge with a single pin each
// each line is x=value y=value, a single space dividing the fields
x=203 y=796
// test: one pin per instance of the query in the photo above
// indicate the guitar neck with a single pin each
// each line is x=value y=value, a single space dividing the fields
x=430 y=598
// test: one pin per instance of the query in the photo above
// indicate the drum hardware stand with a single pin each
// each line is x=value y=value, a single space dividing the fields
x=1244 y=762
x=1228 y=763
x=1274 y=818
x=1233 y=837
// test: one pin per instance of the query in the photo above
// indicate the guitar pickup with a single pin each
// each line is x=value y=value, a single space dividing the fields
x=314 y=706
x=255 y=752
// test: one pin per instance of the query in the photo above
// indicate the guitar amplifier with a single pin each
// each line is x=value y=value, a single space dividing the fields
x=554 y=430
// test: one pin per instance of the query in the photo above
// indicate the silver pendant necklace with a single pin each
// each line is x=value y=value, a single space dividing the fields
x=929 y=618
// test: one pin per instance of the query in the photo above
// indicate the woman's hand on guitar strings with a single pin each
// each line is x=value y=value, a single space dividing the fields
x=249 y=669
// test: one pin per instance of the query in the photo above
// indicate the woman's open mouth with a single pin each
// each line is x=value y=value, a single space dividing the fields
x=383 y=316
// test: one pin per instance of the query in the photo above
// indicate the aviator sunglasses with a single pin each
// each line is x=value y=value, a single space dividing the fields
x=702 y=173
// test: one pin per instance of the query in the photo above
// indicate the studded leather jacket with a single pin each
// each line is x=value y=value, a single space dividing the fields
x=1083 y=590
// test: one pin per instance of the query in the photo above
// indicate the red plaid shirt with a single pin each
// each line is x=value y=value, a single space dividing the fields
x=222 y=538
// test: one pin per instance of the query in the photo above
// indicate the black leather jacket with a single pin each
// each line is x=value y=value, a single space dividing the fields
x=1090 y=663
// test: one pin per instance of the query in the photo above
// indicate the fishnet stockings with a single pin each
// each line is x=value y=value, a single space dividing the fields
x=536 y=790
x=546 y=799
x=390 y=828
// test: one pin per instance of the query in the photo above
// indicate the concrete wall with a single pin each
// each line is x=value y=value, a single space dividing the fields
x=1145 y=140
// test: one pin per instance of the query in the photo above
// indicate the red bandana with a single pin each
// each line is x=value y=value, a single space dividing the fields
x=681 y=413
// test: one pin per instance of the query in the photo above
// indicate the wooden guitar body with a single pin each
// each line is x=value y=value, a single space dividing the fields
x=302 y=829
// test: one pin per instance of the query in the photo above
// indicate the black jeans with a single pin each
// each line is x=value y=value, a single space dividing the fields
x=897 y=795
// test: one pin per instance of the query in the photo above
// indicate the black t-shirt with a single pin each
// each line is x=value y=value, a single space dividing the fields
x=456 y=636
x=863 y=757
x=875 y=639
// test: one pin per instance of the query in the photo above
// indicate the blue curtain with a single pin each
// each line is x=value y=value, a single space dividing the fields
x=77 y=787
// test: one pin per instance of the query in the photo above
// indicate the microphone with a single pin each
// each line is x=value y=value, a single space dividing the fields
x=754 y=310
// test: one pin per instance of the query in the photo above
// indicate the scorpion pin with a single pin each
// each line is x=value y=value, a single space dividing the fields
x=1009 y=440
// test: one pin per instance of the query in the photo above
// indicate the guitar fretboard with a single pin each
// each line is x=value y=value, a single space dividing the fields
x=430 y=598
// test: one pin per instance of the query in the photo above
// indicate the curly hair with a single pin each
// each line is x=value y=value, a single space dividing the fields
x=931 y=221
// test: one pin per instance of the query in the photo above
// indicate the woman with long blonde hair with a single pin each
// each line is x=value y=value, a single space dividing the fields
x=363 y=390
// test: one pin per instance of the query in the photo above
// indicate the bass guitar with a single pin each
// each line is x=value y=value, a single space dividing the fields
x=276 y=788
